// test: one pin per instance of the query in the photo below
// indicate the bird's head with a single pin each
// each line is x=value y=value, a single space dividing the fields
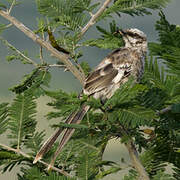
x=134 y=38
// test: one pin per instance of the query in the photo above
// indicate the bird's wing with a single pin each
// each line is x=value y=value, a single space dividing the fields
x=112 y=69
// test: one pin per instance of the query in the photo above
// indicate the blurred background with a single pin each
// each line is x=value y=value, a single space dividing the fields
x=12 y=73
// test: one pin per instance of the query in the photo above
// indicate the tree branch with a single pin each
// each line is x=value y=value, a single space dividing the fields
x=94 y=17
x=61 y=56
x=136 y=162
x=134 y=157
x=29 y=157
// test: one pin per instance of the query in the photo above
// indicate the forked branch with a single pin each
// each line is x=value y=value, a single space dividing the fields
x=94 y=17
x=61 y=56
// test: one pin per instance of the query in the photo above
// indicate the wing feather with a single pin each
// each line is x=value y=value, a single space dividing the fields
x=111 y=70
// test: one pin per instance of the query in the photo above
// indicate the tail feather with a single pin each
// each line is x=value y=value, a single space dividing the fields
x=69 y=132
x=49 y=143
x=75 y=118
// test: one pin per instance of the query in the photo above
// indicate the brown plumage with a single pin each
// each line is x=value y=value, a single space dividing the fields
x=104 y=80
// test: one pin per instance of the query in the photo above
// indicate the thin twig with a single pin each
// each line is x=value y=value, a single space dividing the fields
x=12 y=5
x=41 y=55
x=59 y=55
x=8 y=25
x=40 y=161
x=18 y=52
x=80 y=68
x=57 y=65
x=41 y=51
x=94 y=17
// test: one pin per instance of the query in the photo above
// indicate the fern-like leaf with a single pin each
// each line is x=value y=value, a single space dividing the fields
x=9 y=160
x=108 y=40
x=132 y=117
x=33 y=82
x=169 y=46
x=22 y=119
x=3 y=117
x=63 y=102
x=134 y=7
x=125 y=95
x=65 y=13
x=35 y=142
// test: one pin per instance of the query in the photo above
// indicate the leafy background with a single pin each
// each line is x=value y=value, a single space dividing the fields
x=13 y=71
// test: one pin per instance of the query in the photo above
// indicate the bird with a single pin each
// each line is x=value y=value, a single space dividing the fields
x=113 y=71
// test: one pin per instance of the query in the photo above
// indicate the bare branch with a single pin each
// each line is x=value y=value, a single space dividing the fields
x=94 y=17
x=57 y=65
x=18 y=52
x=134 y=157
x=136 y=162
x=41 y=51
x=40 y=161
x=59 y=55
x=41 y=55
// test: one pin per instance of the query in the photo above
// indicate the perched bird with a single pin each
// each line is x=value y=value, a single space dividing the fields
x=104 y=80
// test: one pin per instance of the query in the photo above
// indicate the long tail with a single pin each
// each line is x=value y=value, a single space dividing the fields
x=75 y=118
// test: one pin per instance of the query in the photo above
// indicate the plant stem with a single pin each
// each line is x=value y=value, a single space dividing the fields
x=12 y=5
x=30 y=61
x=136 y=162
x=94 y=17
x=18 y=151
x=134 y=156
x=59 y=55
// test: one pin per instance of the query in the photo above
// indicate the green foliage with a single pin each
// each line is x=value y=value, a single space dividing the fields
x=162 y=176
x=152 y=162
x=166 y=86
x=131 y=176
x=2 y=26
x=176 y=173
x=134 y=7
x=63 y=102
x=2 y=5
x=65 y=13
x=86 y=68
x=22 y=119
x=30 y=174
x=125 y=95
x=169 y=46
x=15 y=53
x=107 y=172
x=35 y=142
x=34 y=173
x=9 y=160
x=75 y=126
x=108 y=40
x=54 y=176
x=175 y=108
x=3 y=117
x=33 y=82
